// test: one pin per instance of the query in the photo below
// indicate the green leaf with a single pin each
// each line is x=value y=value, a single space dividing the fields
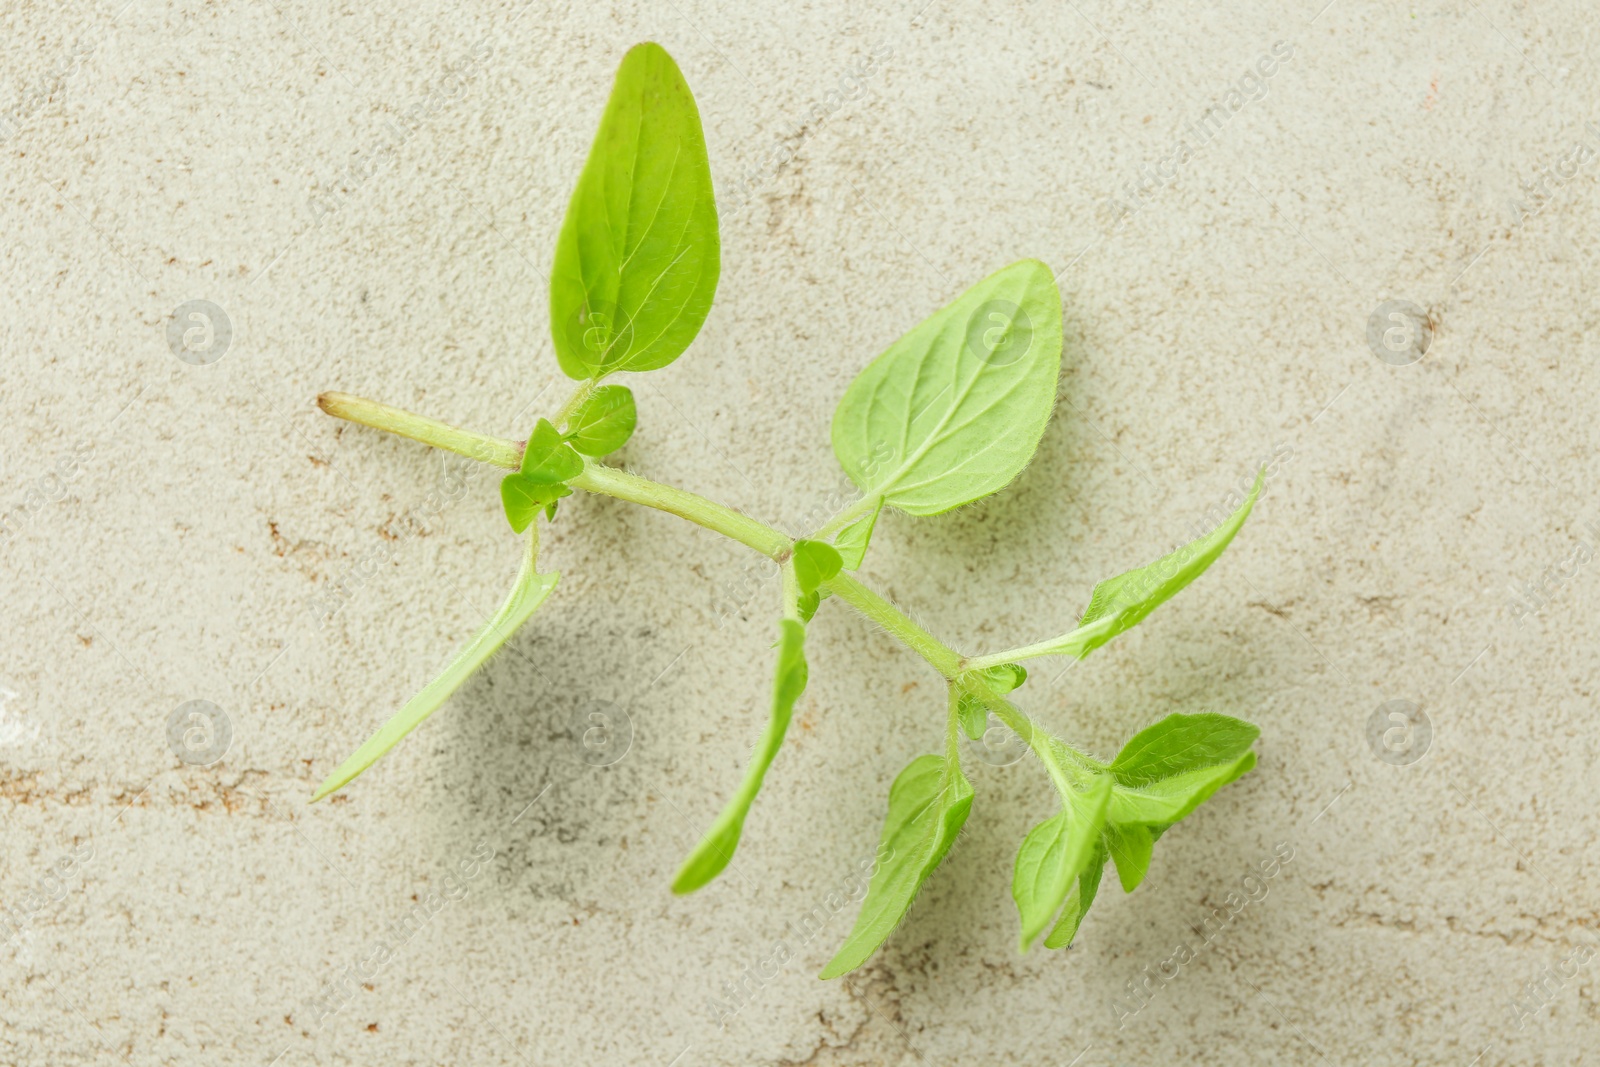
x=972 y=712
x=637 y=260
x=715 y=850
x=814 y=563
x=1121 y=603
x=974 y=716
x=1078 y=901
x=526 y=595
x=1004 y=677
x=1054 y=854
x=954 y=410
x=548 y=458
x=852 y=540
x=1130 y=850
x=522 y=498
x=928 y=804
x=1181 y=743
x=1163 y=802
x=603 y=421
x=806 y=605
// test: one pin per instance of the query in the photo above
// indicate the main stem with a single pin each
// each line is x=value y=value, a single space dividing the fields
x=609 y=481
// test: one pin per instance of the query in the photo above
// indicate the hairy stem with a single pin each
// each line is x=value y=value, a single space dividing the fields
x=845 y=517
x=942 y=657
x=579 y=395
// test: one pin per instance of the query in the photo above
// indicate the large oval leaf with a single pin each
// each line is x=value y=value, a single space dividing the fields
x=638 y=257
x=954 y=409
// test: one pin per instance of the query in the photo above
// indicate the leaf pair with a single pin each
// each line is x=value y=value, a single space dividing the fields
x=600 y=424
x=548 y=462
x=814 y=563
x=1002 y=679
x=1161 y=775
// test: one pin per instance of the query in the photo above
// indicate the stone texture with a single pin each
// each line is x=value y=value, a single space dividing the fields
x=176 y=531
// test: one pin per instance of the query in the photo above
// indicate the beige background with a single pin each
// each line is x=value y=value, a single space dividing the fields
x=177 y=530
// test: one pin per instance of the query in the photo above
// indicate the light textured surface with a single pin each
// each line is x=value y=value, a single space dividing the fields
x=177 y=532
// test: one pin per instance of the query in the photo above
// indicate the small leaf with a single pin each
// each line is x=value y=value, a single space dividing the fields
x=1164 y=802
x=637 y=260
x=548 y=458
x=715 y=850
x=954 y=410
x=1004 y=677
x=814 y=563
x=974 y=716
x=1181 y=743
x=522 y=498
x=808 y=604
x=1121 y=603
x=1054 y=854
x=1078 y=901
x=1130 y=850
x=526 y=595
x=928 y=804
x=852 y=540
x=604 y=421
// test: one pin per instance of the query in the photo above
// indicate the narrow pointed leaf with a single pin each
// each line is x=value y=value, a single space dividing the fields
x=1180 y=743
x=637 y=260
x=1054 y=854
x=526 y=595
x=1121 y=603
x=1163 y=802
x=715 y=850
x=1078 y=901
x=954 y=410
x=853 y=539
x=928 y=804
x=604 y=421
x=1130 y=848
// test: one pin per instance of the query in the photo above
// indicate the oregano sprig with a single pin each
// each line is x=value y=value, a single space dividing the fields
x=946 y=415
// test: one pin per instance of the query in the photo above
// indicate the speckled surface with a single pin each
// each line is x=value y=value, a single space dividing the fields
x=372 y=198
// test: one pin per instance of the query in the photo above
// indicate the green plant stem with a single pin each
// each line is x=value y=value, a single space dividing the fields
x=609 y=481
x=940 y=656
x=791 y=592
x=1012 y=655
x=495 y=450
